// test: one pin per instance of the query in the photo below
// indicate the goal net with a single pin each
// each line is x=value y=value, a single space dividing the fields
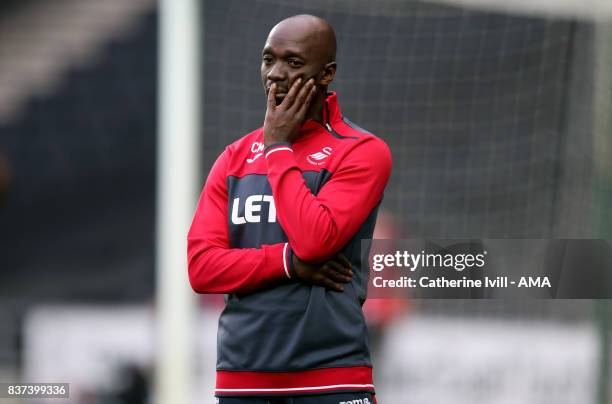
x=491 y=115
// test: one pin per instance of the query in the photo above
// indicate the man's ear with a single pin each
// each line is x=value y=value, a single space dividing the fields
x=328 y=73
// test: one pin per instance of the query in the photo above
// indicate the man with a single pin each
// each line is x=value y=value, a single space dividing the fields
x=278 y=228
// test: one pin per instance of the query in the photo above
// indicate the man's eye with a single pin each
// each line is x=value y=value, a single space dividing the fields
x=295 y=63
x=267 y=59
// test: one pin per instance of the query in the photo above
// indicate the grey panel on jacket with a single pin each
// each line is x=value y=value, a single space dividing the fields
x=292 y=326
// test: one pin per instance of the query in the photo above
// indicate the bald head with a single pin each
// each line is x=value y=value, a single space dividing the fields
x=315 y=33
x=299 y=47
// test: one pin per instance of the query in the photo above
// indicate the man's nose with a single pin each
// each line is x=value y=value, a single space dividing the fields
x=276 y=73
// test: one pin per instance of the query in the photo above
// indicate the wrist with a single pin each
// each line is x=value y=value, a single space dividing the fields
x=273 y=142
x=292 y=264
x=270 y=146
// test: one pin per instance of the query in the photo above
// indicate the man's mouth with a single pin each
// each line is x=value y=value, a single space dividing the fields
x=280 y=95
x=279 y=98
x=279 y=91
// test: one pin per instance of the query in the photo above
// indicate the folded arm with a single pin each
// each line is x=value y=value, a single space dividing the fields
x=214 y=267
x=319 y=226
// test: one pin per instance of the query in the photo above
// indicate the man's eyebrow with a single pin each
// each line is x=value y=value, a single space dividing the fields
x=290 y=53
x=287 y=53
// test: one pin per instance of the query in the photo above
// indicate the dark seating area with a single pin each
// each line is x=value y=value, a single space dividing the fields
x=83 y=169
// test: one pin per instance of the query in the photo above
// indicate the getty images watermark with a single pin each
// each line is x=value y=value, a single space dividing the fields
x=488 y=268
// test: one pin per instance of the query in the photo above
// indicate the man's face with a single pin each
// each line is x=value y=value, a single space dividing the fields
x=286 y=56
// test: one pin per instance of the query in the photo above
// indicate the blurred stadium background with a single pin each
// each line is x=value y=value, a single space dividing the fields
x=498 y=115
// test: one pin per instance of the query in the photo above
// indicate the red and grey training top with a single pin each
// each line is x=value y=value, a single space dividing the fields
x=313 y=198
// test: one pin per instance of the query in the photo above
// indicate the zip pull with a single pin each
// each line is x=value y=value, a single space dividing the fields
x=328 y=127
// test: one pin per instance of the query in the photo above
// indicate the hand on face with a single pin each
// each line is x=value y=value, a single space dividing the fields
x=282 y=122
x=330 y=274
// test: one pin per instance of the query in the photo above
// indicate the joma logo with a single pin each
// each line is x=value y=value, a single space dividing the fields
x=356 y=401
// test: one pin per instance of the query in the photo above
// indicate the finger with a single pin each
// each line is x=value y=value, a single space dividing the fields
x=336 y=276
x=305 y=91
x=321 y=280
x=341 y=258
x=329 y=284
x=272 y=96
x=303 y=109
x=288 y=101
x=329 y=272
x=346 y=273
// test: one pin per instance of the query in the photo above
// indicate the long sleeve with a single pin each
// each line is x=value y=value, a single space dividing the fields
x=214 y=267
x=319 y=226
